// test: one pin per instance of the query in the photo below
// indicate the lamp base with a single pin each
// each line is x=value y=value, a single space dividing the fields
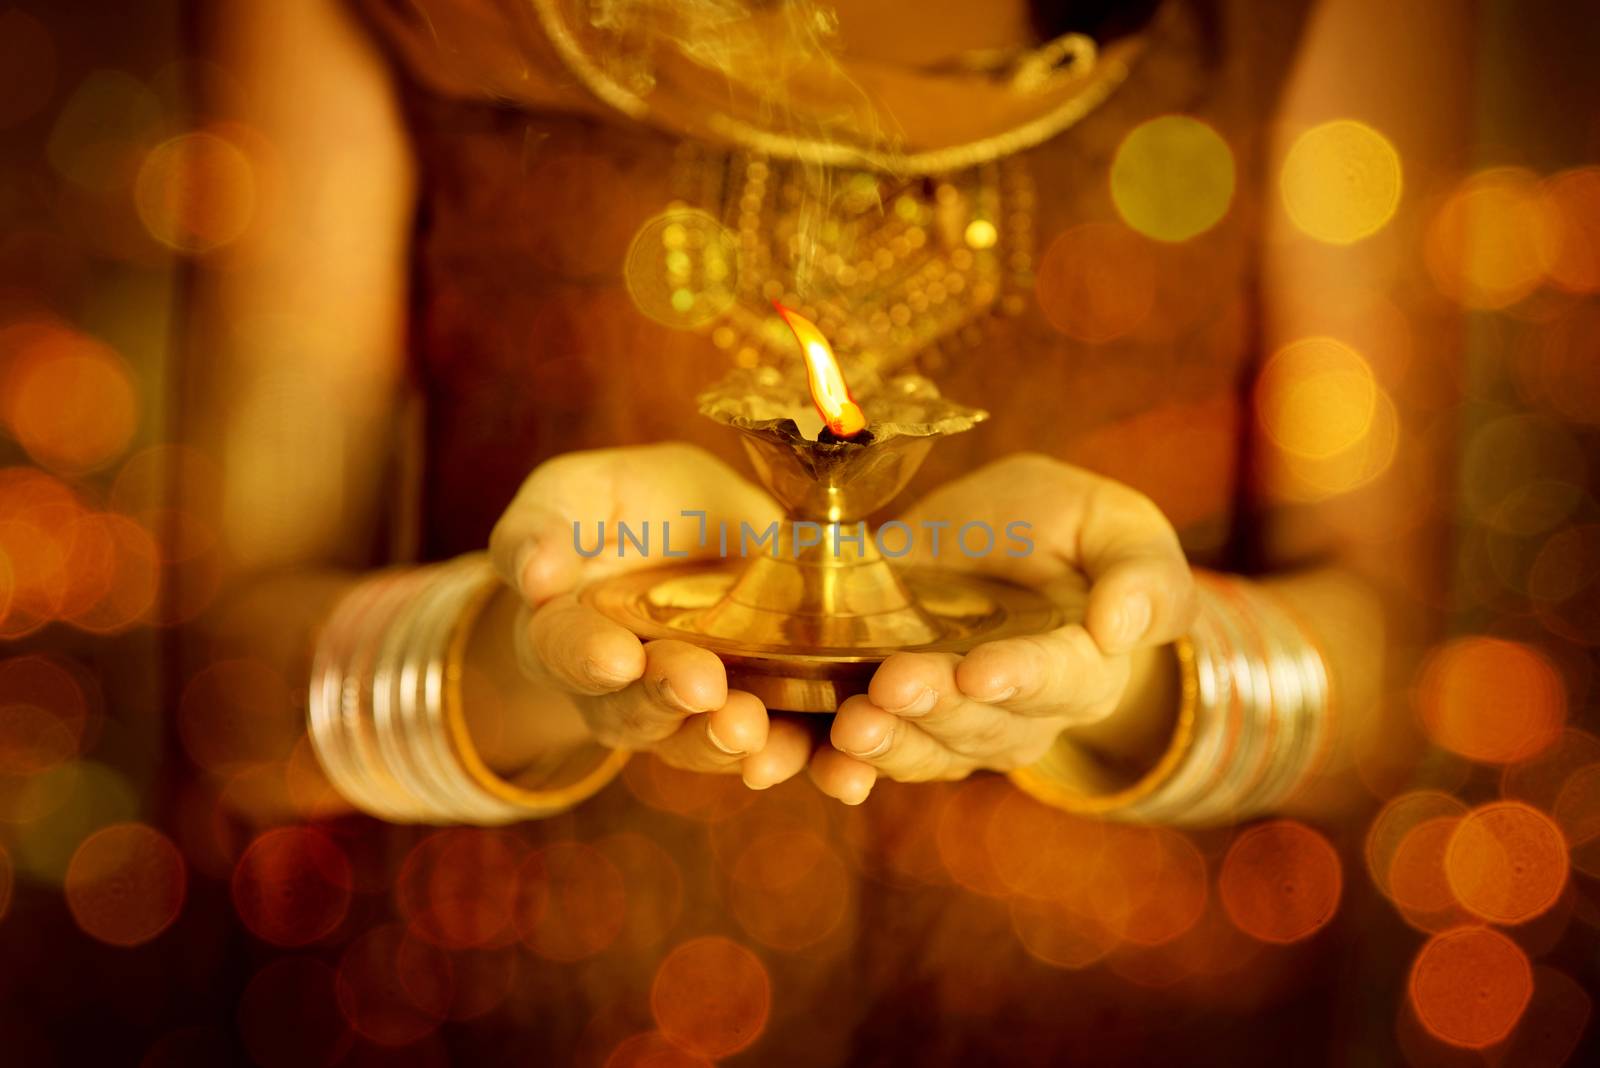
x=787 y=667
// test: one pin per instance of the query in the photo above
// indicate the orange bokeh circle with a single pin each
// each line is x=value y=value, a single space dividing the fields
x=1280 y=881
x=712 y=996
x=1507 y=862
x=1470 y=985
x=1491 y=700
x=292 y=886
x=126 y=884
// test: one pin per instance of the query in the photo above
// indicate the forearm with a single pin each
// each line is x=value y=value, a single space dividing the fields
x=274 y=619
x=1359 y=644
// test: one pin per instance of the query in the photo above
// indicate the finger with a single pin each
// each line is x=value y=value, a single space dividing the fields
x=896 y=747
x=842 y=777
x=922 y=688
x=1142 y=592
x=532 y=550
x=679 y=680
x=577 y=649
x=1059 y=673
x=720 y=739
x=788 y=747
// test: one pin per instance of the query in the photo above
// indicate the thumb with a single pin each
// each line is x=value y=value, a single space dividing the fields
x=1140 y=600
x=533 y=549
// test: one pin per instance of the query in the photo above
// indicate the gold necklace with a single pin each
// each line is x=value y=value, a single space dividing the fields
x=891 y=269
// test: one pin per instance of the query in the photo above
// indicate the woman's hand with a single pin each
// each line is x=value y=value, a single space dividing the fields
x=595 y=676
x=1100 y=549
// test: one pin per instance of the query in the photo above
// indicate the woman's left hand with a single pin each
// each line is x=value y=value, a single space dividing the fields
x=1102 y=550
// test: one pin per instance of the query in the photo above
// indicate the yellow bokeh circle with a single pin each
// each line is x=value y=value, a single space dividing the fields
x=1341 y=182
x=1172 y=178
x=682 y=268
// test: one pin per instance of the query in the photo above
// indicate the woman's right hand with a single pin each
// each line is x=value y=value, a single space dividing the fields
x=668 y=697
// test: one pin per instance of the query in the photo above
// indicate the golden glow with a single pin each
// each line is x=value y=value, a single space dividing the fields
x=1507 y=862
x=1335 y=429
x=1574 y=263
x=1491 y=700
x=1341 y=182
x=682 y=268
x=1491 y=242
x=68 y=398
x=1316 y=398
x=1097 y=282
x=981 y=234
x=1173 y=178
x=828 y=390
x=196 y=192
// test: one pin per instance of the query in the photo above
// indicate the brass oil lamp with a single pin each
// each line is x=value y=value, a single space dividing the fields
x=803 y=622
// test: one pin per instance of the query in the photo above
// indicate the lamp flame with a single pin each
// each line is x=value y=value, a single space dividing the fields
x=828 y=391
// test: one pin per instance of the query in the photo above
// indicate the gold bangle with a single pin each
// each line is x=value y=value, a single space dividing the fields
x=1061 y=778
x=542 y=802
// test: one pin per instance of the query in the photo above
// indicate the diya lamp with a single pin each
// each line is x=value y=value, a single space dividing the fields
x=804 y=620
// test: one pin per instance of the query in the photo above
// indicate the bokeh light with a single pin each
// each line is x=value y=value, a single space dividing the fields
x=1316 y=398
x=1341 y=182
x=1507 y=862
x=126 y=884
x=571 y=901
x=789 y=890
x=654 y=881
x=1333 y=426
x=100 y=129
x=1488 y=245
x=1172 y=178
x=1280 y=881
x=374 y=993
x=1097 y=282
x=293 y=886
x=1470 y=985
x=67 y=397
x=196 y=192
x=54 y=811
x=44 y=714
x=1417 y=882
x=1574 y=196
x=458 y=888
x=682 y=268
x=712 y=996
x=1491 y=700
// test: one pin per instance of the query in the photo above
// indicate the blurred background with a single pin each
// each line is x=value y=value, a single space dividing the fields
x=139 y=923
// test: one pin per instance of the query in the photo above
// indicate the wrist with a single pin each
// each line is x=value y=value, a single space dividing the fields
x=1138 y=732
x=518 y=727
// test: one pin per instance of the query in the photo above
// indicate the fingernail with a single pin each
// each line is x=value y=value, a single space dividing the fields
x=719 y=743
x=1004 y=695
x=1133 y=620
x=920 y=707
x=603 y=677
x=670 y=696
x=877 y=750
